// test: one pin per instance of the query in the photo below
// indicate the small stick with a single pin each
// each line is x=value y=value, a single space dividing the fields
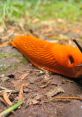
x=68 y=97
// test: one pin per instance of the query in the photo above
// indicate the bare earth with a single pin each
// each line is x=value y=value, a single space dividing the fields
x=41 y=87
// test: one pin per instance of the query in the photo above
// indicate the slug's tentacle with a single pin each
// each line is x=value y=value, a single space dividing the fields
x=75 y=41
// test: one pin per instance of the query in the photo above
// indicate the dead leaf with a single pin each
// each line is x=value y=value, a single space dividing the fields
x=4 y=89
x=54 y=92
x=32 y=102
x=21 y=94
x=23 y=76
x=21 y=81
x=2 y=100
x=46 y=80
x=46 y=84
x=38 y=97
x=6 y=98
x=4 y=44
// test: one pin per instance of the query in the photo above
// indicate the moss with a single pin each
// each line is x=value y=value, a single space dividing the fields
x=9 y=68
x=7 y=55
x=5 y=65
x=24 y=61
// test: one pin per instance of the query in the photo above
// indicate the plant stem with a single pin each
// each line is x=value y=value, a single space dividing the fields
x=10 y=109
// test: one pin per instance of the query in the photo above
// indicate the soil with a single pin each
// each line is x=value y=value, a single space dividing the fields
x=42 y=86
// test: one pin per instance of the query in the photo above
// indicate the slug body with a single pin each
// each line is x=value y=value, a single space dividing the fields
x=54 y=57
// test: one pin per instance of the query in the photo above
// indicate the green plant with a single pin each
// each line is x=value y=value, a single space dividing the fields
x=16 y=9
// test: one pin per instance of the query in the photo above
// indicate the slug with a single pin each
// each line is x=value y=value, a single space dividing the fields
x=54 y=57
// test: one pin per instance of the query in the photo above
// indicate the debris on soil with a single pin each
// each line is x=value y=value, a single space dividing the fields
x=21 y=92
x=6 y=98
x=36 y=99
x=67 y=98
x=53 y=92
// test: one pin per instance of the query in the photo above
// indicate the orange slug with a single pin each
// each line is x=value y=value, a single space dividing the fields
x=54 y=57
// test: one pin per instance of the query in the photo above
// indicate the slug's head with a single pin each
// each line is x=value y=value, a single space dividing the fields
x=67 y=56
x=73 y=57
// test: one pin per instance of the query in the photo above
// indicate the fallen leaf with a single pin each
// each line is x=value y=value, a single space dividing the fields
x=34 y=100
x=46 y=84
x=38 y=97
x=46 y=80
x=21 y=81
x=6 y=98
x=4 y=44
x=21 y=94
x=54 y=92
x=2 y=100
x=23 y=76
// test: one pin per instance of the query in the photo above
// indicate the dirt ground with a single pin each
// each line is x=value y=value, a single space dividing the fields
x=41 y=87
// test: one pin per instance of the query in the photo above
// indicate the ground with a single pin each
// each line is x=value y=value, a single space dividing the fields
x=41 y=87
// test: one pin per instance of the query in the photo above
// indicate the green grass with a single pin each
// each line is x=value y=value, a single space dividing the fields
x=44 y=10
x=69 y=11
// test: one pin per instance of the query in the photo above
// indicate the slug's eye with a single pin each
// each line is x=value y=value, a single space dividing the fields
x=71 y=59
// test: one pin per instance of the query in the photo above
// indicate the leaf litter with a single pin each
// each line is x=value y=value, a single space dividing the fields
x=54 y=92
